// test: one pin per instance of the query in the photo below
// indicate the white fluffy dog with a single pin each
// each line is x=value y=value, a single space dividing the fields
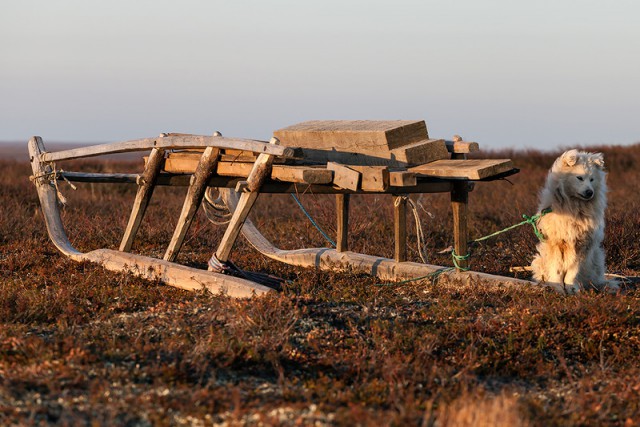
x=571 y=255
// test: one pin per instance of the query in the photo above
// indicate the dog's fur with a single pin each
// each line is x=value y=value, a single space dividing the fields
x=571 y=255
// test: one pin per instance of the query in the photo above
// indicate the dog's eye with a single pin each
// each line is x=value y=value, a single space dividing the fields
x=591 y=179
x=580 y=178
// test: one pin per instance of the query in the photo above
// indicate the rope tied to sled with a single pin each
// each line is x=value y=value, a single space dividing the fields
x=533 y=220
x=52 y=176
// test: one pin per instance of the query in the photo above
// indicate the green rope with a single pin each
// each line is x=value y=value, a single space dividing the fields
x=315 y=224
x=527 y=220
x=455 y=257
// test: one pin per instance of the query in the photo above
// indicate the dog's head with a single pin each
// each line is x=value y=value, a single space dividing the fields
x=580 y=174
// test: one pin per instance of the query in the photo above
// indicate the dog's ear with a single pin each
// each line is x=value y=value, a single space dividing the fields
x=570 y=158
x=597 y=159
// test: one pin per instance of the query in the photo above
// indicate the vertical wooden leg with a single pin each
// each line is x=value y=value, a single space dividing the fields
x=147 y=183
x=192 y=201
x=459 y=202
x=400 y=227
x=342 y=210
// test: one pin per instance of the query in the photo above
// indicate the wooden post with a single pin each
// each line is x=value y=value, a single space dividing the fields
x=147 y=183
x=400 y=227
x=342 y=211
x=459 y=202
x=260 y=171
x=192 y=201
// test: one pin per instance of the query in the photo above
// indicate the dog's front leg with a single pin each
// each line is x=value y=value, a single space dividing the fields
x=571 y=284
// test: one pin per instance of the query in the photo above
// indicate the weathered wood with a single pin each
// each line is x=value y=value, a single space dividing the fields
x=373 y=178
x=402 y=179
x=400 y=227
x=192 y=201
x=260 y=171
x=420 y=152
x=342 y=213
x=462 y=147
x=42 y=177
x=473 y=169
x=459 y=202
x=356 y=136
x=425 y=185
x=287 y=173
x=179 y=141
x=175 y=275
x=344 y=176
x=384 y=268
x=413 y=154
x=145 y=191
x=169 y=273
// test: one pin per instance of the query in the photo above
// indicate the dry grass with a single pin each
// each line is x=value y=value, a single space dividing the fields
x=81 y=345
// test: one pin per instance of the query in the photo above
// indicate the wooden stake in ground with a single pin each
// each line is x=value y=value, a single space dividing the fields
x=342 y=211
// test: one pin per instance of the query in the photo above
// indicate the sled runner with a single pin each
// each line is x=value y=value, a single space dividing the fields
x=316 y=157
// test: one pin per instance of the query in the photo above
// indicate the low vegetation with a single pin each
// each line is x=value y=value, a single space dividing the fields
x=81 y=345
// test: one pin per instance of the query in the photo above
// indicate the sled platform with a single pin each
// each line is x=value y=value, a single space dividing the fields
x=318 y=157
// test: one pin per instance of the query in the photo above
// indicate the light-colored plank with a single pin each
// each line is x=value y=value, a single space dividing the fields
x=402 y=179
x=143 y=196
x=287 y=173
x=421 y=152
x=179 y=141
x=356 y=136
x=462 y=147
x=344 y=176
x=464 y=169
x=373 y=178
x=192 y=201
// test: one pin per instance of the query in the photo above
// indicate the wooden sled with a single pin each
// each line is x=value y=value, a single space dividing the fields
x=320 y=157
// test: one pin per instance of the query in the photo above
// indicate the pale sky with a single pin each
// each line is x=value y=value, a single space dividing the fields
x=504 y=73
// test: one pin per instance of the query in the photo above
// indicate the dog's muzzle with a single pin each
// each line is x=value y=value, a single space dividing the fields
x=587 y=195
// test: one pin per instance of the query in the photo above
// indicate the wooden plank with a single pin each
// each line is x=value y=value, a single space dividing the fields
x=459 y=202
x=373 y=178
x=258 y=174
x=462 y=147
x=400 y=227
x=402 y=179
x=287 y=173
x=179 y=141
x=420 y=152
x=356 y=136
x=425 y=185
x=472 y=169
x=342 y=213
x=143 y=196
x=417 y=153
x=192 y=201
x=344 y=176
